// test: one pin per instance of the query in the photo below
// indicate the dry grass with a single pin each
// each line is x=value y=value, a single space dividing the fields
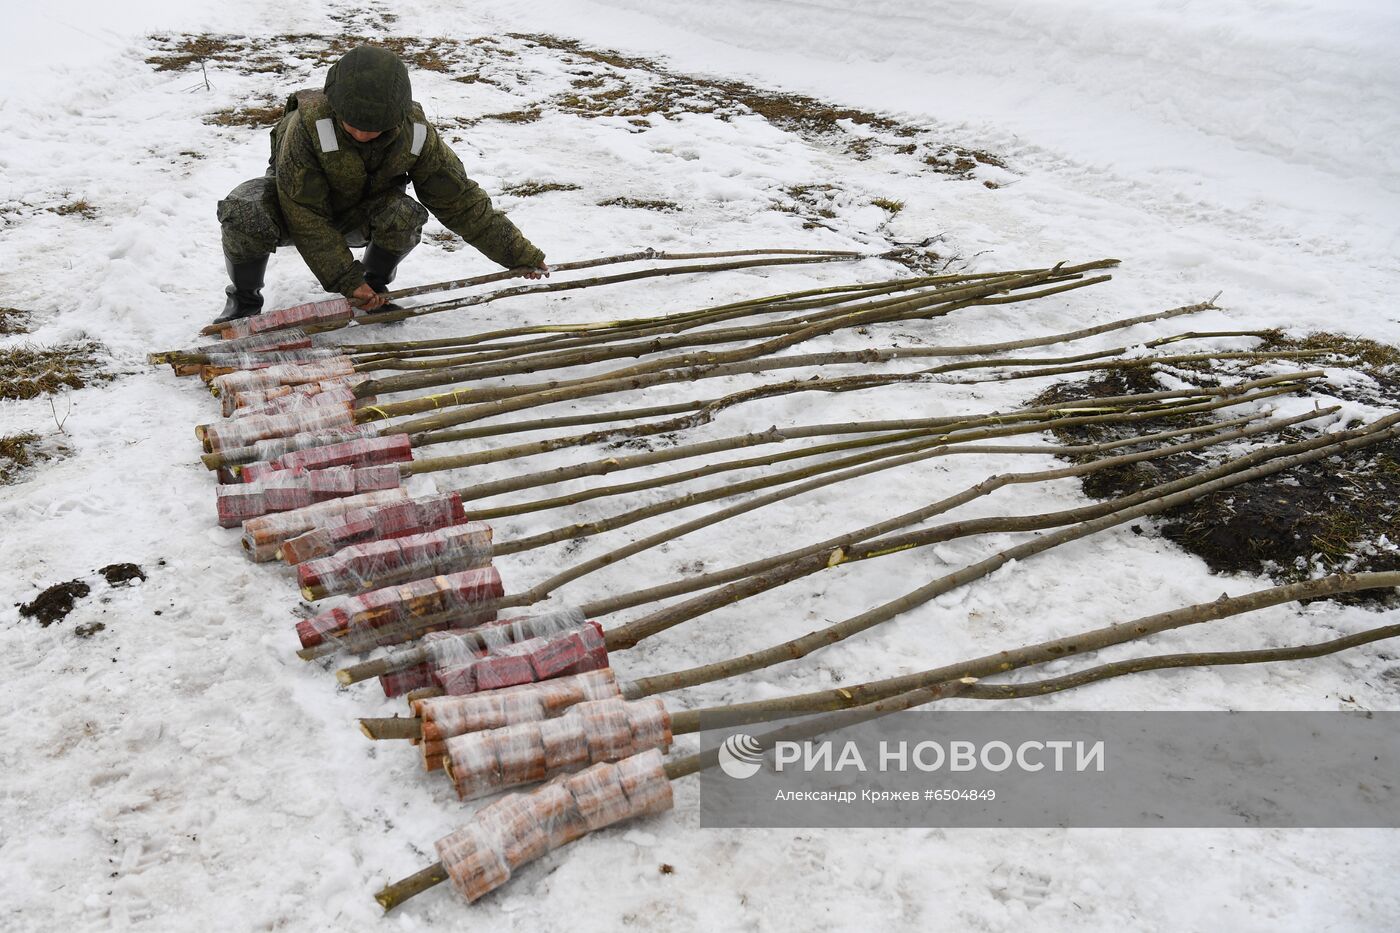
x=447 y=240
x=13 y=321
x=894 y=207
x=644 y=204
x=28 y=371
x=16 y=453
x=528 y=189
x=606 y=83
x=81 y=207
x=255 y=116
x=515 y=116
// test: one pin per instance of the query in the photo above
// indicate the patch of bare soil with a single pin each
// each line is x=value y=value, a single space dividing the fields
x=54 y=604
x=1340 y=514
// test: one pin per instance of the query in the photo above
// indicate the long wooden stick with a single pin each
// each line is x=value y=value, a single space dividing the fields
x=1000 y=662
x=859 y=546
x=467 y=405
x=792 y=562
x=627 y=636
x=393 y=895
x=1274 y=459
x=860 y=313
x=389 y=317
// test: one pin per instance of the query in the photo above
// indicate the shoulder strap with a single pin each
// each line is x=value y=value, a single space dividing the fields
x=315 y=112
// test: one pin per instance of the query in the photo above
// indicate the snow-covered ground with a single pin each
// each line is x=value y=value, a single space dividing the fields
x=182 y=769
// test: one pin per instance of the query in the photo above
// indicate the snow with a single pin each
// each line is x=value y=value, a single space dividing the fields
x=186 y=770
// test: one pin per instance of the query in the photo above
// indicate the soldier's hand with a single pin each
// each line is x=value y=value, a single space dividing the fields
x=366 y=298
x=540 y=272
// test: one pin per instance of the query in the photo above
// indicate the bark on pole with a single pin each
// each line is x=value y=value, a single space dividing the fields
x=968 y=687
x=1274 y=460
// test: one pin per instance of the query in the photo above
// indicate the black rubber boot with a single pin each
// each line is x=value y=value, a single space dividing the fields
x=380 y=267
x=245 y=294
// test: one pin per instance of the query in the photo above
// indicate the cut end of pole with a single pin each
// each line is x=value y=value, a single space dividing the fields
x=344 y=677
x=364 y=727
x=395 y=894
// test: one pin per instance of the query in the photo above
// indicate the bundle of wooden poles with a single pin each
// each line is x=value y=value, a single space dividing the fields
x=509 y=687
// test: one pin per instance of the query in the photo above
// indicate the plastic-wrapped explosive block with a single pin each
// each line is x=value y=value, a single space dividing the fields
x=275 y=447
x=503 y=835
x=492 y=673
x=520 y=751
x=330 y=311
x=403 y=518
x=294 y=339
x=557 y=812
x=650 y=724
x=475 y=861
x=448 y=716
x=378 y=563
x=434 y=755
x=245 y=431
x=599 y=797
x=509 y=664
x=565 y=744
x=252 y=400
x=406 y=681
x=301 y=401
x=285 y=490
x=557 y=656
x=607 y=728
x=237 y=502
x=261 y=359
x=314 y=630
x=289 y=374
x=361 y=452
x=264 y=536
x=405 y=603
x=644 y=781
x=458 y=681
x=523 y=838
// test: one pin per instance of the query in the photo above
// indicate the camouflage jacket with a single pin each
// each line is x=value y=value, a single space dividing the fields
x=326 y=181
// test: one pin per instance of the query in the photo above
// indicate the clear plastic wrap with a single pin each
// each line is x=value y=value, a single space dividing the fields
x=518 y=828
x=356 y=452
x=391 y=560
x=254 y=428
x=447 y=716
x=303 y=401
x=393 y=607
x=533 y=659
x=258 y=400
x=524 y=646
x=388 y=521
x=216 y=363
x=330 y=311
x=263 y=537
x=594 y=731
x=285 y=374
x=274 y=447
x=285 y=490
x=293 y=339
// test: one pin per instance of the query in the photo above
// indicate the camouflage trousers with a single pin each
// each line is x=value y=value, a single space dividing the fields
x=253 y=226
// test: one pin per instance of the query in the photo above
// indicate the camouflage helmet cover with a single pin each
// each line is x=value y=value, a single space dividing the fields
x=369 y=89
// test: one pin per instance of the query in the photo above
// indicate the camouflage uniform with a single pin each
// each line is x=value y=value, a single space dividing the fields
x=324 y=192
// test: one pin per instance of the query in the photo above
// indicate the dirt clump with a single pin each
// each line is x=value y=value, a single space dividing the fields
x=123 y=574
x=54 y=604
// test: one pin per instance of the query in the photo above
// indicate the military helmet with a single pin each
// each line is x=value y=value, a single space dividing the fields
x=369 y=89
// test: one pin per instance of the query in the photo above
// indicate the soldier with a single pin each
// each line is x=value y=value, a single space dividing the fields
x=341 y=161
